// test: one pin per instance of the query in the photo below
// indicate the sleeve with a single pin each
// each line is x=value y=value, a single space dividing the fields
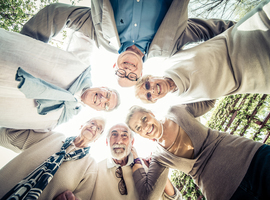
x=198 y=109
x=177 y=195
x=151 y=185
x=202 y=30
x=85 y=188
x=19 y=140
x=49 y=21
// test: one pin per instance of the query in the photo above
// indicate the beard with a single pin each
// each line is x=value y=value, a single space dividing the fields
x=121 y=153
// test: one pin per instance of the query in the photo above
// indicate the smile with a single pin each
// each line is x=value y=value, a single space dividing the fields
x=158 y=89
x=95 y=98
x=150 y=131
x=126 y=63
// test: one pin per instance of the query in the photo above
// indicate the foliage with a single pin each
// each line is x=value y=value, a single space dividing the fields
x=15 y=13
x=225 y=9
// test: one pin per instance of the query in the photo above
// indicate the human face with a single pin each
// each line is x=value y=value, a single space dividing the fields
x=93 y=129
x=120 y=141
x=129 y=61
x=153 y=89
x=100 y=98
x=146 y=125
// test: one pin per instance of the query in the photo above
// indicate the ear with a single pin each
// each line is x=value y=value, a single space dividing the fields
x=153 y=140
x=81 y=127
x=114 y=65
x=132 y=142
x=106 y=142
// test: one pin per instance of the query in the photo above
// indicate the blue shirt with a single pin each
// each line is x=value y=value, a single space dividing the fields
x=137 y=21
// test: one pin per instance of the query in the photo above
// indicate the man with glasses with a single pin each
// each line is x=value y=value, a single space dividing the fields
x=136 y=29
x=114 y=180
x=40 y=93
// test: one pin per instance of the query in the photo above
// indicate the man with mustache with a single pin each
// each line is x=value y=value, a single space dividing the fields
x=137 y=29
x=42 y=86
x=78 y=176
x=114 y=179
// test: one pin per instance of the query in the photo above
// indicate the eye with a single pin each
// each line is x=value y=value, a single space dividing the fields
x=138 y=129
x=108 y=95
x=148 y=96
x=147 y=85
x=144 y=119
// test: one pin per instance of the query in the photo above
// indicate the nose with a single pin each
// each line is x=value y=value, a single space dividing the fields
x=119 y=140
x=94 y=127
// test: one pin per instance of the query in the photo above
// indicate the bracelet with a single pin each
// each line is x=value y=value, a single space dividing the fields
x=136 y=161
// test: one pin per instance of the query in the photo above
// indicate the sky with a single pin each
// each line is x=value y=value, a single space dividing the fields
x=103 y=75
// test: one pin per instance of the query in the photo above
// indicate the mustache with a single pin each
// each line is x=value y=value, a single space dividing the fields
x=119 y=146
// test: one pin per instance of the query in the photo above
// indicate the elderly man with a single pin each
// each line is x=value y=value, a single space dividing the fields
x=42 y=86
x=135 y=29
x=115 y=172
x=78 y=176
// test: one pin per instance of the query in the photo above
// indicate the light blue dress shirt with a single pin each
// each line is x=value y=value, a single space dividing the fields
x=137 y=21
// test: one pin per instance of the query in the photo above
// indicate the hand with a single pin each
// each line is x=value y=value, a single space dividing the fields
x=134 y=152
x=67 y=195
x=147 y=161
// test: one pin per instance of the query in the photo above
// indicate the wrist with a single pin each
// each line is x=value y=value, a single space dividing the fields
x=136 y=161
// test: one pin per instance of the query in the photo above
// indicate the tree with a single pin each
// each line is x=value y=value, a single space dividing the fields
x=15 y=13
x=225 y=9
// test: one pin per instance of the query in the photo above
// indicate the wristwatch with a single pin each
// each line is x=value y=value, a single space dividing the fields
x=136 y=161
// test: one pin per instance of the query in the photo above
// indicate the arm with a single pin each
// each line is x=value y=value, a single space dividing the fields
x=200 y=108
x=49 y=21
x=146 y=183
x=19 y=140
x=202 y=30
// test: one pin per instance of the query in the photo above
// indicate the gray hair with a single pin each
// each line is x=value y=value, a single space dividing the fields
x=133 y=110
x=131 y=133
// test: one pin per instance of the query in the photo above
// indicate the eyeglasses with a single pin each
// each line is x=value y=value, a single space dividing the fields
x=108 y=96
x=122 y=74
x=147 y=87
x=121 y=185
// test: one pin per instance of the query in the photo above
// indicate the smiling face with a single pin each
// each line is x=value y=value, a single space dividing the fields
x=92 y=129
x=145 y=124
x=130 y=61
x=152 y=89
x=120 y=141
x=100 y=98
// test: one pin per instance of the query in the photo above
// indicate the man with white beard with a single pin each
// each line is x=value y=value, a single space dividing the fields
x=114 y=179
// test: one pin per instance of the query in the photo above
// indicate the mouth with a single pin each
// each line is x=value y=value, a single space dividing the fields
x=95 y=98
x=158 y=89
x=127 y=63
x=151 y=129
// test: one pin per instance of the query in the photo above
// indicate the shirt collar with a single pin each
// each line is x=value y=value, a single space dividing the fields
x=111 y=163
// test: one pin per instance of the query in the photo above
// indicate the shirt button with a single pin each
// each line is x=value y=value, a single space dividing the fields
x=135 y=25
x=133 y=41
x=138 y=0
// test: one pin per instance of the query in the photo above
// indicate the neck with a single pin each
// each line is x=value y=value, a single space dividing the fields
x=80 y=142
x=135 y=50
x=122 y=162
x=172 y=85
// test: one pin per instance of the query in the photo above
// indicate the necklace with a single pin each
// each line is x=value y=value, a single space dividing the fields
x=161 y=133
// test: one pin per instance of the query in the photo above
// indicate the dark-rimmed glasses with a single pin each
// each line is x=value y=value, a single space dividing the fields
x=121 y=185
x=147 y=87
x=122 y=74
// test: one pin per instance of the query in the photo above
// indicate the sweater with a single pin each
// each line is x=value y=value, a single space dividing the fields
x=79 y=176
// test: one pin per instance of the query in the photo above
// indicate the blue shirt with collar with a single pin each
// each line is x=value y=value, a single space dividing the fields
x=137 y=21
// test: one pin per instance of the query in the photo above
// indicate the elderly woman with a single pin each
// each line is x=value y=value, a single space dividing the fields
x=234 y=62
x=224 y=166
x=54 y=163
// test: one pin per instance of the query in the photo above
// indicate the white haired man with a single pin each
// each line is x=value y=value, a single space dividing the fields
x=115 y=172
